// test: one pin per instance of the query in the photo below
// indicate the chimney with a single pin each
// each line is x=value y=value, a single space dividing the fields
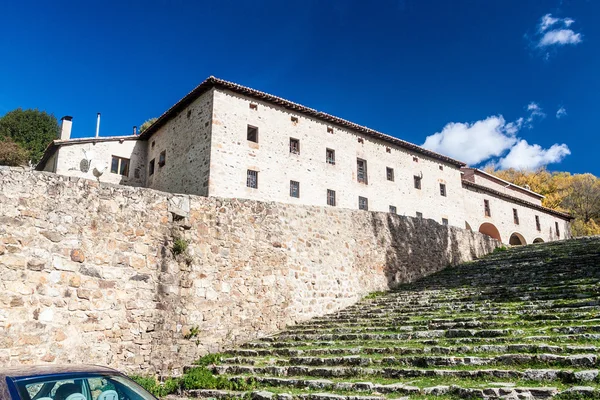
x=98 y=126
x=135 y=131
x=66 y=123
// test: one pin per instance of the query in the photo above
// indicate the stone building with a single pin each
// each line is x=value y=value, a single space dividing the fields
x=230 y=141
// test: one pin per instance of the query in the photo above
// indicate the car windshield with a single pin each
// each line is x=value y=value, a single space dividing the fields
x=81 y=387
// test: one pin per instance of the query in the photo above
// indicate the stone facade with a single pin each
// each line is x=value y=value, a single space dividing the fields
x=88 y=274
x=203 y=139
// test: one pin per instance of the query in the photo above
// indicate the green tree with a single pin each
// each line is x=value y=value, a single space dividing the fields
x=147 y=124
x=12 y=154
x=31 y=129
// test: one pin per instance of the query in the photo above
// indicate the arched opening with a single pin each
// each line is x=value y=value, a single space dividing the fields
x=516 y=239
x=468 y=227
x=538 y=240
x=488 y=229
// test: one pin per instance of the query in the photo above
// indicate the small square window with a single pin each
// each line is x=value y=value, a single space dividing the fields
x=515 y=216
x=294 y=189
x=294 y=146
x=415 y=159
x=329 y=129
x=363 y=203
x=162 y=158
x=388 y=150
x=537 y=223
x=253 y=106
x=441 y=167
x=393 y=210
x=151 y=168
x=486 y=208
x=252 y=179
x=361 y=140
x=330 y=197
x=417 y=181
x=294 y=120
x=361 y=170
x=445 y=221
x=442 y=189
x=119 y=166
x=419 y=215
x=252 y=134
x=330 y=156
x=389 y=172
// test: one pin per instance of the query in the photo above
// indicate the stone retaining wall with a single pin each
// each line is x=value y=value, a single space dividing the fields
x=88 y=274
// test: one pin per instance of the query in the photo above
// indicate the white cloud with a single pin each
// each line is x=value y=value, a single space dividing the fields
x=473 y=142
x=529 y=157
x=486 y=140
x=561 y=112
x=552 y=31
x=560 y=37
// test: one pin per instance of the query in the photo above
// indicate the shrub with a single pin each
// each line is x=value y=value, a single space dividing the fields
x=179 y=246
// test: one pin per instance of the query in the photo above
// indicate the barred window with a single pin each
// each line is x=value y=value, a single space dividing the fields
x=393 y=210
x=330 y=197
x=442 y=189
x=294 y=146
x=252 y=179
x=417 y=180
x=389 y=172
x=363 y=203
x=361 y=170
x=294 y=189
x=330 y=156
x=445 y=221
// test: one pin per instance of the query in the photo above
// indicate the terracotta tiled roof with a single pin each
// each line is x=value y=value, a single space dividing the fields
x=517 y=200
x=298 y=108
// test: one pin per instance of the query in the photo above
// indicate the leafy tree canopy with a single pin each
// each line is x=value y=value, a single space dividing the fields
x=147 y=124
x=578 y=194
x=31 y=129
x=12 y=154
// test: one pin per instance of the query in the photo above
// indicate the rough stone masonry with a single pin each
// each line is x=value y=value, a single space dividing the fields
x=88 y=271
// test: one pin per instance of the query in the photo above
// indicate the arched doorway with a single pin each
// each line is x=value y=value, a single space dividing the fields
x=516 y=239
x=489 y=229
x=538 y=240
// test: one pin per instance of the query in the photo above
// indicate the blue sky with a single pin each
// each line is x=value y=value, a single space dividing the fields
x=478 y=80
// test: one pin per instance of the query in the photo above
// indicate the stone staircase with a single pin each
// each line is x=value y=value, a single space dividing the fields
x=521 y=323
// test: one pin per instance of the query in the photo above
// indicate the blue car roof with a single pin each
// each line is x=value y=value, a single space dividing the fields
x=26 y=371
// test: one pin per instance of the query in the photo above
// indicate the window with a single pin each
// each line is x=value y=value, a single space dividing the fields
x=329 y=129
x=486 y=208
x=388 y=150
x=419 y=215
x=162 y=158
x=445 y=221
x=417 y=180
x=443 y=189
x=389 y=173
x=557 y=230
x=393 y=210
x=363 y=203
x=294 y=189
x=153 y=143
x=515 y=216
x=294 y=120
x=330 y=156
x=361 y=170
x=537 y=223
x=151 y=168
x=361 y=140
x=253 y=106
x=252 y=134
x=119 y=166
x=294 y=146
x=330 y=197
x=415 y=159
x=252 y=179
x=441 y=167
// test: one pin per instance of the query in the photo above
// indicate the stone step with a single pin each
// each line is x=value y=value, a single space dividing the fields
x=561 y=375
x=550 y=360
x=394 y=350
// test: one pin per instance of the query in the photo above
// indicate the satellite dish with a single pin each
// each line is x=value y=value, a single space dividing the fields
x=99 y=170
